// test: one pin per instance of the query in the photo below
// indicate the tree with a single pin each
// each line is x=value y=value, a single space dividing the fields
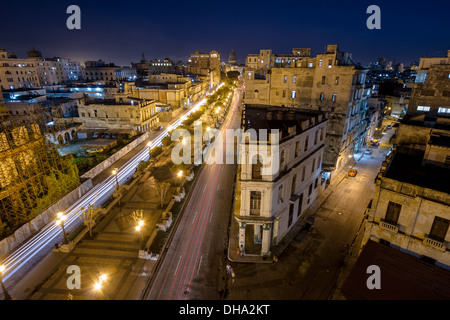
x=88 y=216
x=161 y=189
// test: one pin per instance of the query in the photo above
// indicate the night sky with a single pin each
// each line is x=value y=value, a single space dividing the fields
x=120 y=31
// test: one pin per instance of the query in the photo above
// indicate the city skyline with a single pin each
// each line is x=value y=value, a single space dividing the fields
x=120 y=35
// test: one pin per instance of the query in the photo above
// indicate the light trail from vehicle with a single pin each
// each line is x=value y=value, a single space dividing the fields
x=95 y=197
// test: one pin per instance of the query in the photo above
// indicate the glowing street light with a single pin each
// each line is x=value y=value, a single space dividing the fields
x=115 y=172
x=60 y=222
x=6 y=295
x=139 y=229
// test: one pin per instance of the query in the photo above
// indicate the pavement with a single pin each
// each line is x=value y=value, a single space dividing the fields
x=312 y=264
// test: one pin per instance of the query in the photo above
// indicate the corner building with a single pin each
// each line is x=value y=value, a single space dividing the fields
x=268 y=206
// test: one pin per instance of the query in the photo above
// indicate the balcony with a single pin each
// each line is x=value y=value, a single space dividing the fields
x=439 y=245
x=388 y=226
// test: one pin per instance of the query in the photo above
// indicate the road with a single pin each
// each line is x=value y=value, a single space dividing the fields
x=192 y=267
x=25 y=257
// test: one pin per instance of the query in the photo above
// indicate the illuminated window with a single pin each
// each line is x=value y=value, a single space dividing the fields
x=285 y=79
x=310 y=65
x=295 y=79
x=293 y=94
x=444 y=110
x=320 y=63
x=423 y=108
x=334 y=97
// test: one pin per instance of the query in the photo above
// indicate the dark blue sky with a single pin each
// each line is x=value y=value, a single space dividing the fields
x=120 y=31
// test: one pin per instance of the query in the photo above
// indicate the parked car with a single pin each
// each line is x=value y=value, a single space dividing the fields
x=352 y=173
x=368 y=151
x=375 y=143
x=388 y=127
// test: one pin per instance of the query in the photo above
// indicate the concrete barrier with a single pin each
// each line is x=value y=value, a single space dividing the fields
x=29 y=229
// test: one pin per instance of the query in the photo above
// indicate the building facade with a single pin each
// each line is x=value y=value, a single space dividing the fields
x=119 y=114
x=269 y=205
x=329 y=82
x=17 y=73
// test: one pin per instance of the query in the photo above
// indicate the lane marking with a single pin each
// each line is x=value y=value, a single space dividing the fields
x=177 y=266
x=199 y=265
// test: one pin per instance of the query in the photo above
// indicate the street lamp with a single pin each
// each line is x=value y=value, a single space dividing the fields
x=115 y=172
x=98 y=285
x=180 y=174
x=60 y=222
x=138 y=229
x=6 y=295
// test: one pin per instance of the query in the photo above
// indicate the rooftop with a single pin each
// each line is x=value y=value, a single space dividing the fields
x=282 y=118
x=407 y=167
x=403 y=276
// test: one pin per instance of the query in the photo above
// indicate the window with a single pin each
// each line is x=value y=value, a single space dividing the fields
x=255 y=202
x=393 y=212
x=316 y=183
x=336 y=81
x=439 y=228
x=313 y=165
x=323 y=79
x=83 y=115
x=291 y=214
x=282 y=160
x=330 y=63
x=444 y=110
x=293 y=94
x=294 y=80
x=316 y=136
x=319 y=161
x=285 y=79
x=310 y=189
x=297 y=147
x=280 y=194
x=256 y=170
x=423 y=108
x=300 y=204
x=334 y=97
x=310 y=65
x=320 y=63
x=321 y=96
x=284 y=93
x=306 y=143
x=321 y=134
x=294 y=183
x=303 y=173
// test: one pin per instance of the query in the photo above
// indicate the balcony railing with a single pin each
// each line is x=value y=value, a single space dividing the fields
x=439 y=245
x=388 y=226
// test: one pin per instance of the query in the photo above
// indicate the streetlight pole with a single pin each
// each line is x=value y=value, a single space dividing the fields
x=115 y=173
x=6 y=295
x=60 y=222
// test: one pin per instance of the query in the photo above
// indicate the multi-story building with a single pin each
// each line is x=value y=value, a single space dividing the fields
x=54 y=71
x=267 y=60
x=17 y=73
x=205 y=64
x=431 y=95
x=118 y=114
x=101 y=71
x=410 y=210
x=329 y=82
x=269 y=203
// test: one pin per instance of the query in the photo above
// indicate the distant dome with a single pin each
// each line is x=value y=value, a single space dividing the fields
x=232 y=58
x=34 y=53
